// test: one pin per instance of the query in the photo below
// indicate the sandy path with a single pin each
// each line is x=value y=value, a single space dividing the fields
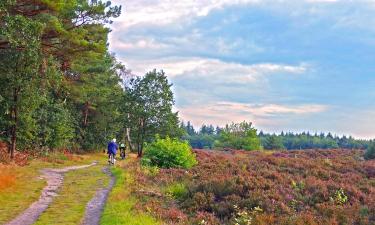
x=54 y=179
x=95 y=207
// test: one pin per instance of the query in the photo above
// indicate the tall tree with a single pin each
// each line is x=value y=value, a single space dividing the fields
x=36 y=37
x=148 y=109
x=18 y=72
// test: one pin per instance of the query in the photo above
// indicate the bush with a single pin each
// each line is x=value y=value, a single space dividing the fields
x=177 y=190
x=370 y=153
x=169 y=153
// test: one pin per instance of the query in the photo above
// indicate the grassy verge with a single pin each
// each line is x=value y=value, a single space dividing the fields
x=78 y=189
x=21 y=186
x=120 y=204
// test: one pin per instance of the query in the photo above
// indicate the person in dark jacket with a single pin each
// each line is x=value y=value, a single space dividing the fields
x=112 y=150
x=122 y=151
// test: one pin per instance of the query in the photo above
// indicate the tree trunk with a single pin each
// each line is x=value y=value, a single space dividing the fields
x=140 y=137
x=13 y=141
x=128 y=140
x=15 y=123
x=86 y=114
x=139 y=149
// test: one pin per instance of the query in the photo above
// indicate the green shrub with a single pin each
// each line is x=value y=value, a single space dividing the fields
x=370 y=153
x=339 y=197
x=169 y=153
x=177 y=190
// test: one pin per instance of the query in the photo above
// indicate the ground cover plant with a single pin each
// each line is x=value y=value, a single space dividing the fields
x=119 y=209
x=286 y=187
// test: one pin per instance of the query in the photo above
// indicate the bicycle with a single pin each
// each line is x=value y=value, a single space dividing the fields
x=122 y=154
x=112 y=159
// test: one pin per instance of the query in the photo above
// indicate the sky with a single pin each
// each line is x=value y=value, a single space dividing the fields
x=285 y=65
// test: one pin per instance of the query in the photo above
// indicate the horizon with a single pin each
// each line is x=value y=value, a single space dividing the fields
x=297 y=66
x=312 y=133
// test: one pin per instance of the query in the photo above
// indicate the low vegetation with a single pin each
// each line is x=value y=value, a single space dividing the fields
x=294 y=187
x=120 y=207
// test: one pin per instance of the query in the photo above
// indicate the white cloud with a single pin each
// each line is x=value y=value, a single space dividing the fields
x=221 y=113
x=213 y=68
x=139 y=45
x=171 y=11
x=168 y=11
x=322 y=1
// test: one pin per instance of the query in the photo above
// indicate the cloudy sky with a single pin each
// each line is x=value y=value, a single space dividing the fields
x=289 y=65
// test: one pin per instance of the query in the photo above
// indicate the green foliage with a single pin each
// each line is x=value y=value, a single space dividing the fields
x=298 y=186
x=370 y=152
x=96 y=100
x=273 y=142
x=239 y=136
x=339 y=197
x=169 y=153
x=305 y=140
x=177 y=190
x=121 y=204
x=151 y=171
x=245 y=216
x=147 y=108
x=55 y=127
x=58 y=85
x=208 y=135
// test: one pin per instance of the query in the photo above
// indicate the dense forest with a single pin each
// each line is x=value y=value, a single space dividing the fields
x=209 y=137
x=62 y=88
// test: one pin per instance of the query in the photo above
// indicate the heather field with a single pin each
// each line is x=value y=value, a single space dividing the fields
x=238 y=187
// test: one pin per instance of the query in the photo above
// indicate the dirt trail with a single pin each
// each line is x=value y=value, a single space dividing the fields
x=95 y=207
x=54 y=179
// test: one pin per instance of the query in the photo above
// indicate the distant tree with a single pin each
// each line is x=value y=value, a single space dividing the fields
x=274 y=142
x=218 y=130
x=370 y=152
x=239 y=136
x=190 y=129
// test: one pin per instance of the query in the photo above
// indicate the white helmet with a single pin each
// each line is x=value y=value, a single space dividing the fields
x=114 y=139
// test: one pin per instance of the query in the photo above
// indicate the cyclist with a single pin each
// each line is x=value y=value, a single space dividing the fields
x=122 y=150
x=112 y=149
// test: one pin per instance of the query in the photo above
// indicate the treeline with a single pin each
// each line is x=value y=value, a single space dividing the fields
x=61 y=88
x=306 y=140
x=236 y=135
x=209 y=137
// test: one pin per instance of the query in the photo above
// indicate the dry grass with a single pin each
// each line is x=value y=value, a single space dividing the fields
x=7 y=177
